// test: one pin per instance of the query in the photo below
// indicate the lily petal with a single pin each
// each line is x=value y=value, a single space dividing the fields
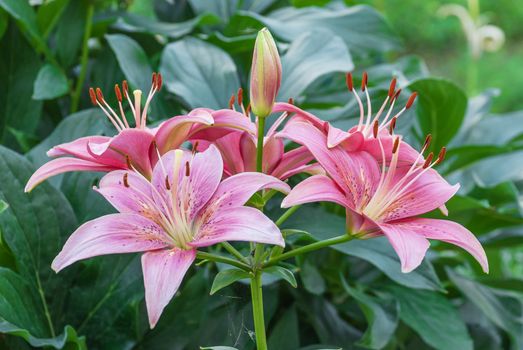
x=236 y=190
x=131 y=143
x=110 y=234
x=77 y=148
x=238 y=224
x=291 y=162
x=173 y=132
x=357 y=174
x=450 y=232
x=409 y=244
x=193 y=191
x=300 y=114
x=163 y=272
x=428 y=192
x=132 y=195
x=60 y=166
x=318 y=188
x=225 y=121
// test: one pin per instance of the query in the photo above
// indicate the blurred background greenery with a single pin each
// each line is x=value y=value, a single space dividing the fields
x=442 y=43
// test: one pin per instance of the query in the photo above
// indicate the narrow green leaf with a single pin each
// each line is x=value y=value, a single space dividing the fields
x=382 y=319
x=217 y=348
x=285 y=333
x=312 y=279
x=191 y=65
x=282 y=272
x=227 y=277
x=490 y=302
x=433 y=317
x=440 y=108
x=3 y=206
x=69 y=32
x=48 y=15
x=3 y=22
x=19 y=66
x=50 y=83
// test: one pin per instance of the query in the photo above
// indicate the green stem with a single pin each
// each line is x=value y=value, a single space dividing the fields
x=259 y=147
x=259 y=168
x=83 y=58
x=309 y=248
x=286 y=215
x=257 y=310
x=234 y=252
x=223 y=259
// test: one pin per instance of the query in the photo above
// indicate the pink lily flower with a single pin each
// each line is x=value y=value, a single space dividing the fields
x=135 y=147
x=238 y=149
x=360 y=137
x=382 y=199
x=185 y=206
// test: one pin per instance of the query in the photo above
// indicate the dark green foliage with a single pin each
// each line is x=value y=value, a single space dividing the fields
x=350 y=296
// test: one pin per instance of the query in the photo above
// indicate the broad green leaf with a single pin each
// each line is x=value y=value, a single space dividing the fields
x=256 y=5
x=19 y=66
x=309 y=57
x=227 y=277
x=382 y=319
x=132 y=59
x=50 y=83
x=377 y=251
x=135 y=23
x=222 y=9
x=362 y=28
x=282 y=272
x=104 y=301
x=22 y=316
x=285 y=333
x=200 y=73
x=44 y=215
x=218 y=348
x=494 y=307
x=433 y=317
x=440 y=108
x=76 y=186
x=24 y=15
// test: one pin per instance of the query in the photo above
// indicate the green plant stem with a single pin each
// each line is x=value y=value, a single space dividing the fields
x=258 y=252
x=234 y=252
x=259 y=146
x=75 y=100
x=309 y=248
x=286 y=215
x=257 y=310
x=223 y=259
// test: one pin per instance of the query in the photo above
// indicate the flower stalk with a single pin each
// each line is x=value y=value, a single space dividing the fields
x=309 y=248
x=257 y=311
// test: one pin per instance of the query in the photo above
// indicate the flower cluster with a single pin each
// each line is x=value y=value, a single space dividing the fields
x=173 y=201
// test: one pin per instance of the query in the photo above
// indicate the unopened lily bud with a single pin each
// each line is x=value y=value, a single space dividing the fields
x=265 y=74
